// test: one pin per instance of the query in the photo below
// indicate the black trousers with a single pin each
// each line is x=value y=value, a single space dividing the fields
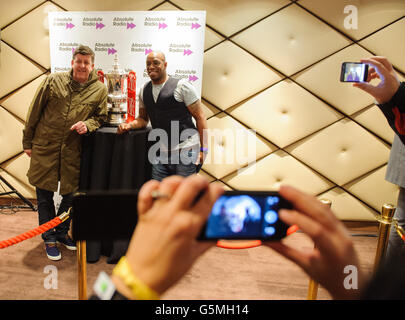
x=46 y=212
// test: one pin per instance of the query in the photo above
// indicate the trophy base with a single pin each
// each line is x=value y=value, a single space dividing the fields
x=111 y=125
x=115 y=118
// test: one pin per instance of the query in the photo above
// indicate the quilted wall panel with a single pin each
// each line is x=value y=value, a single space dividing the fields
x=271 y=66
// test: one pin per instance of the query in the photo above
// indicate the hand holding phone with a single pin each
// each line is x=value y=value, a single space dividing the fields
x=246 y=215
x=354 y=72
x=380 y=68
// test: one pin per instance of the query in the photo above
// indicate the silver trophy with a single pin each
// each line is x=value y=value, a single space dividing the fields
x=117 y=94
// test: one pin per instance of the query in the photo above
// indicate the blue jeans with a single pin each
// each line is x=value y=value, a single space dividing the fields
x=168 y=166
x=46 y=212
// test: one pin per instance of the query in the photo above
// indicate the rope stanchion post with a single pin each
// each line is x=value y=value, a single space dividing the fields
x=313 y=285
x=81 y=249
x=312 y=289
x=386 y=219
x=82 y=269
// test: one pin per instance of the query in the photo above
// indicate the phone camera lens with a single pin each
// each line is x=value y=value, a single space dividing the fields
x=272 y=200
x=269 y=231
x=271 y=216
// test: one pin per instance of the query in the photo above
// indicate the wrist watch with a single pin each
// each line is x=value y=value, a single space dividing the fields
x=104 y=289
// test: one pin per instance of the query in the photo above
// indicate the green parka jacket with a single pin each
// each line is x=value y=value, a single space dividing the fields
x=59 y=103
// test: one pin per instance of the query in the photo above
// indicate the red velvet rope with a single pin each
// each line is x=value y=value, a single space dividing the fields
x=30 y=234
x=223 y=244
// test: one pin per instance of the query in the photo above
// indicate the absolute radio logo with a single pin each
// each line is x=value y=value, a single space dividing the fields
x=190 y=22
x=145 y=48
x=183 y=48
x=61 y=69
x=107 y=47
x=188 y=74
x=68 y=46
x=63 y=22
x=159 y=22
x=126 y=22
x=145 y=74
x=93 y=22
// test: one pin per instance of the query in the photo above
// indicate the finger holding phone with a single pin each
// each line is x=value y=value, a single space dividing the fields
x=380 y=68
x=163 y=246
x=334 y=248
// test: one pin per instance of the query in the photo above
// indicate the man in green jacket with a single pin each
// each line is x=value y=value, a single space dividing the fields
x=65 y=106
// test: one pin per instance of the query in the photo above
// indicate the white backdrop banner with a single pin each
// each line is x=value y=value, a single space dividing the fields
x=131 y=35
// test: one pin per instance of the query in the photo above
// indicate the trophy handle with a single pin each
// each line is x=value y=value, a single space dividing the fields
x=100 y=74
x=131 y=81
x=131 y=95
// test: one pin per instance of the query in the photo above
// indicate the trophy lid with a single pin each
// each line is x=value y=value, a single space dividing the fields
x=116 y=67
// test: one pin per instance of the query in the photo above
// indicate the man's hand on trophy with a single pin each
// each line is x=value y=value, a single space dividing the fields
x=123 y=127
x=80 y=127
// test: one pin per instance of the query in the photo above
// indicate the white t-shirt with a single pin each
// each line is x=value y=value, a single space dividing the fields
x=184 y=92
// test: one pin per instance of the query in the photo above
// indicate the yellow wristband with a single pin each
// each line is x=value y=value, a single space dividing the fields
x=138 y=288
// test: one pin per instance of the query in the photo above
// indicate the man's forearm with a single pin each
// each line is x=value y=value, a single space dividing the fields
x=201 y=123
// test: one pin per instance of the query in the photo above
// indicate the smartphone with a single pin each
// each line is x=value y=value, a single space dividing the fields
x=354 y=72
x=246 y=215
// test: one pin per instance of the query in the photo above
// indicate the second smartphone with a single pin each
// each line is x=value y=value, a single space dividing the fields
x=354 y=72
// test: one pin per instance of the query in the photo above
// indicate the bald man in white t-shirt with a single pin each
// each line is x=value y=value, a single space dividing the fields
x=170 y=105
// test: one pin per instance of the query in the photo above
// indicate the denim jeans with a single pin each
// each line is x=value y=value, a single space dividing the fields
x=46 y=212
x=174 y=165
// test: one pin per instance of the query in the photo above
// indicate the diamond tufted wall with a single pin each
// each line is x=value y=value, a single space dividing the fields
x=269 y=65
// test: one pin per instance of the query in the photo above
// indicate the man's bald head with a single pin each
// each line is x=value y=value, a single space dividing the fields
x=156 y=67
x=157 y=54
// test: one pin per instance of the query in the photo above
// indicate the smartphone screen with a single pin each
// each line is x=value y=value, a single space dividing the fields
x=354 y=72
x=246 y=215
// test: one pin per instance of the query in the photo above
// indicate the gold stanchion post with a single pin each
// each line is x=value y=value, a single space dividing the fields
x=313 y=285
x=386 y=219
x=312 y=289
x=82 y=272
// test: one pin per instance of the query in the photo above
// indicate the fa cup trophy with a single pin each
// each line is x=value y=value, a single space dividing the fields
x=121 y=94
